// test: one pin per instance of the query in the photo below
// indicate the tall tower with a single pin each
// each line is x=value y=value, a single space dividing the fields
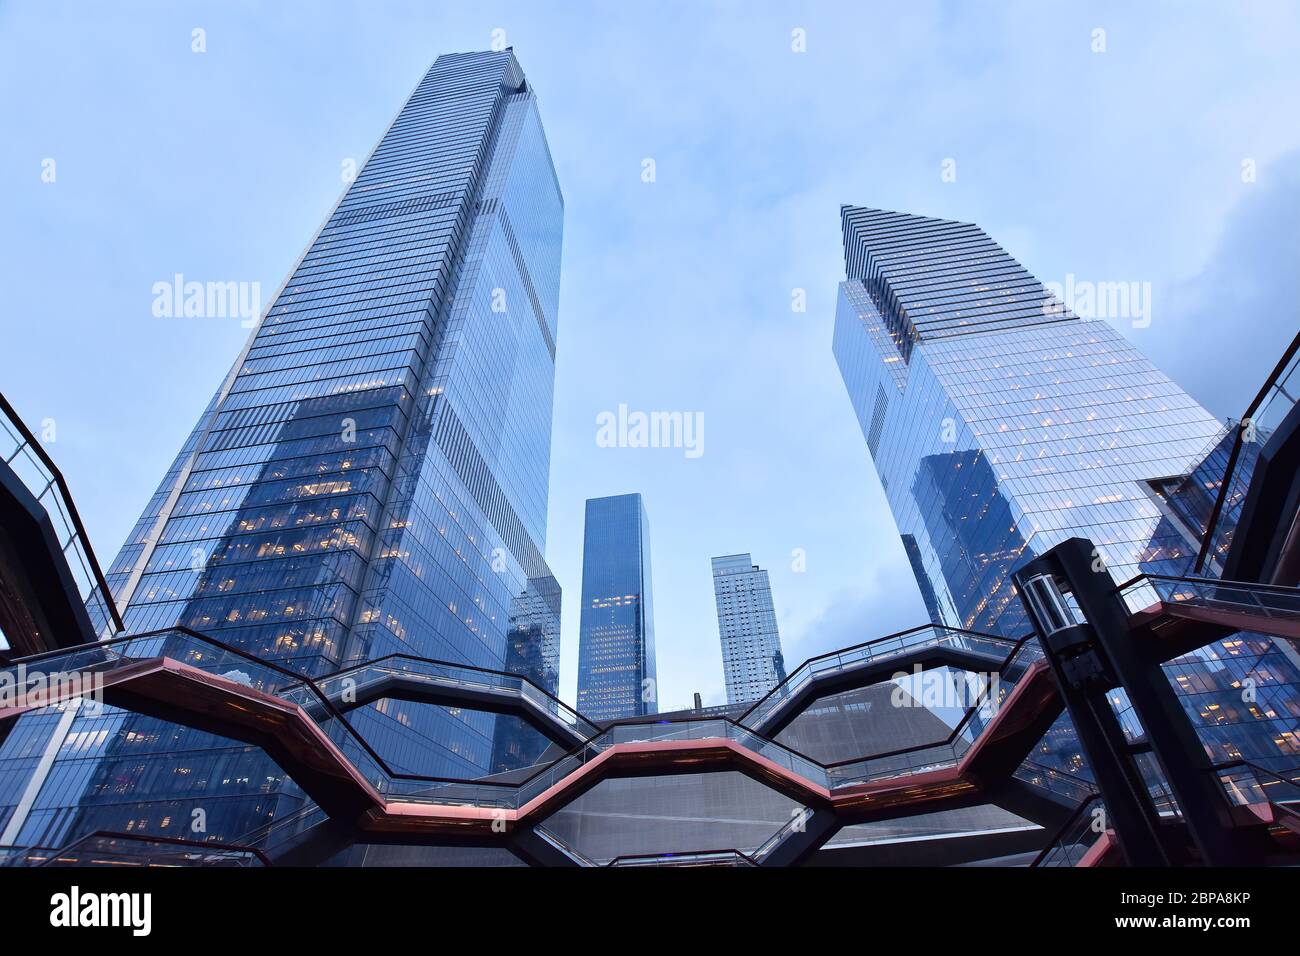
x=1001 y=424
x=616 y=645
x=751 y=644
x=372 y=475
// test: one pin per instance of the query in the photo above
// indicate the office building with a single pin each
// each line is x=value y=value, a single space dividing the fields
x=616 y=645
x=1001 y=424
x=370 y=479
x=751 y=643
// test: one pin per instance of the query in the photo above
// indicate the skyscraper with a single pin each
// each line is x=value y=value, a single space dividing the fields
x=751 y=643
x=1001 y=424
x=616 y=645
x=370 y=478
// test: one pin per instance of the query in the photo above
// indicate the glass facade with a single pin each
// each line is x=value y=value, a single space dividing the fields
x=1214 y=679
x=1188 y=505
x=533 y=651
x=751 y=643
x=371 y=478
x=616 y=643
x=1000 y=425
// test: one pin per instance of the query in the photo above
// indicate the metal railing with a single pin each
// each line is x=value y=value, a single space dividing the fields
x=25 y=855
x=1274 y=401
x=271 y=834
x=109 y=848
x=1245 y=783
x=1070 y=786
x=22 y=452
x=1076 y=836
x=1266 y=601
x=698 y=858
x=212 y=656
x=357 y=678
x=552 y=840
x=941 y=755
x=870 y=652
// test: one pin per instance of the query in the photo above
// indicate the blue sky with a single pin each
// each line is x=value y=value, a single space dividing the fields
x=1117 y=166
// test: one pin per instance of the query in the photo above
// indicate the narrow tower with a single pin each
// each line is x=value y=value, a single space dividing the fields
x=616 y=647
x=751 y=644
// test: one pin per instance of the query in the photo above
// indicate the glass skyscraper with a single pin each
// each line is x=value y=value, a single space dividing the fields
x=616 y=645
x=371 y=477
x=1001 y=424
x=751 y=643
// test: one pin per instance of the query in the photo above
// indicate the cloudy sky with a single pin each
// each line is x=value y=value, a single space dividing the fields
x=1122 y=165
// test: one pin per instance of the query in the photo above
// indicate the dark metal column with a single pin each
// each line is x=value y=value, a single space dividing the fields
x=1084 y=677
x=1171 y=736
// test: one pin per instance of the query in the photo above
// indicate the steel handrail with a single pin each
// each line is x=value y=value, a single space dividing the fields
x=73 y=515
